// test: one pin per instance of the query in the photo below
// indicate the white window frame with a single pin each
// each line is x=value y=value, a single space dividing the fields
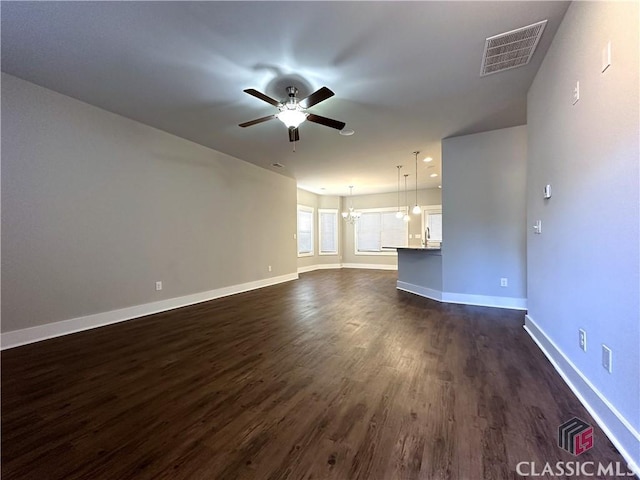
x=384 y=252
x=334 y=212
x=311 y=210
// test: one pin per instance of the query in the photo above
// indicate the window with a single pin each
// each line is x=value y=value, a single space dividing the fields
x=328 y=231
x=432 y=225
x=305 y=231
x=380 y=228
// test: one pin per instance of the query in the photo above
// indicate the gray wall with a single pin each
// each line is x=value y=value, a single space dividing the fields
x=583 y=271
x=431 y=196
x=310 y=199
x=484 y=230
x=96 y=208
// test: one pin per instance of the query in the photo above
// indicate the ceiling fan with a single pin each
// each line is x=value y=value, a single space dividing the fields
x=292 y=112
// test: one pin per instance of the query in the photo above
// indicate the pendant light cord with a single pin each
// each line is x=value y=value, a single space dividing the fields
x=416 y=154
x=416 y=209
x=399 y=167
x=405 y=192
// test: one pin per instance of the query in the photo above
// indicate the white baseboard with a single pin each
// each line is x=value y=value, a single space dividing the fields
x=418 y=290
x=327 y=266
x=370 y=266
x=619 y=430
x=65 y=327
x=465 y=299
x=485 y=300
x=324 y=266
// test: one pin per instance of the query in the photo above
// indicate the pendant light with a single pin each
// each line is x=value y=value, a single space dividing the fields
x=399 y=214
x=351 y=216
x=406 y=217
x=416 y=209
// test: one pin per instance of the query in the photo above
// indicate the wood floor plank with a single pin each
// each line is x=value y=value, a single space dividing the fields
x=335 y=376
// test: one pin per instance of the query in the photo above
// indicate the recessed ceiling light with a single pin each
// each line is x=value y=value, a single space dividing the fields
x=346 y=132
x=439 y=186
x=428 y=159
x=433 y=175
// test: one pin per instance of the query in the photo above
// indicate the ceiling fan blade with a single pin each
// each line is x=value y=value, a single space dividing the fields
x=262 y=96
x=327 y=122
x=316 y=97
x=294 y=135
x=257 y=120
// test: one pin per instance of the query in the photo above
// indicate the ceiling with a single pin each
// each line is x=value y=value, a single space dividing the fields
x=405 y=75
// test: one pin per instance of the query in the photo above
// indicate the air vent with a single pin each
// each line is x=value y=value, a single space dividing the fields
x=277 y=165
x=511 y=49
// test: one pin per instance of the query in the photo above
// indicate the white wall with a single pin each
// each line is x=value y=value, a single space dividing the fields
x=96 y=208
x=583 y=270
x=484 y=230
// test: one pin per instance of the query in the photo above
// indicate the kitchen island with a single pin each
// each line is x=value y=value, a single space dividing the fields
x=420 y=271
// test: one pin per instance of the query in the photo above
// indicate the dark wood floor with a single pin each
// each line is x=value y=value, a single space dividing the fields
x=334 y=376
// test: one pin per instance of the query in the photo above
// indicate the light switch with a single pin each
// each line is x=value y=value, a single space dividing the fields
x=537 y=227
x=576 y=93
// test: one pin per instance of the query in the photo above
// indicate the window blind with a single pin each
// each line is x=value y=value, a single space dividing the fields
x=328 y=231
x=305 y=230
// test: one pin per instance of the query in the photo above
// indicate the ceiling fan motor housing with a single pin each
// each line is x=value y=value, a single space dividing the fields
x=292 y=103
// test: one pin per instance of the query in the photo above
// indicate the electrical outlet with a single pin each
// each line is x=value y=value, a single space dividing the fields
x=582 y=339
x=269 y=267
x=158 y=286
x=576 y=93
x=606 y=358
x=504 y=282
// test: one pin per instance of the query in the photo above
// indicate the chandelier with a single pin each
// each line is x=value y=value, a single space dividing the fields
x=351 y=216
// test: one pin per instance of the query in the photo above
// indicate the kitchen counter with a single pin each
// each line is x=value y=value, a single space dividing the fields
x=427 y=250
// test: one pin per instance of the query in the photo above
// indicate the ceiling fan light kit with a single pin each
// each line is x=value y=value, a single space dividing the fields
x=292 y=112
x=291 y=118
